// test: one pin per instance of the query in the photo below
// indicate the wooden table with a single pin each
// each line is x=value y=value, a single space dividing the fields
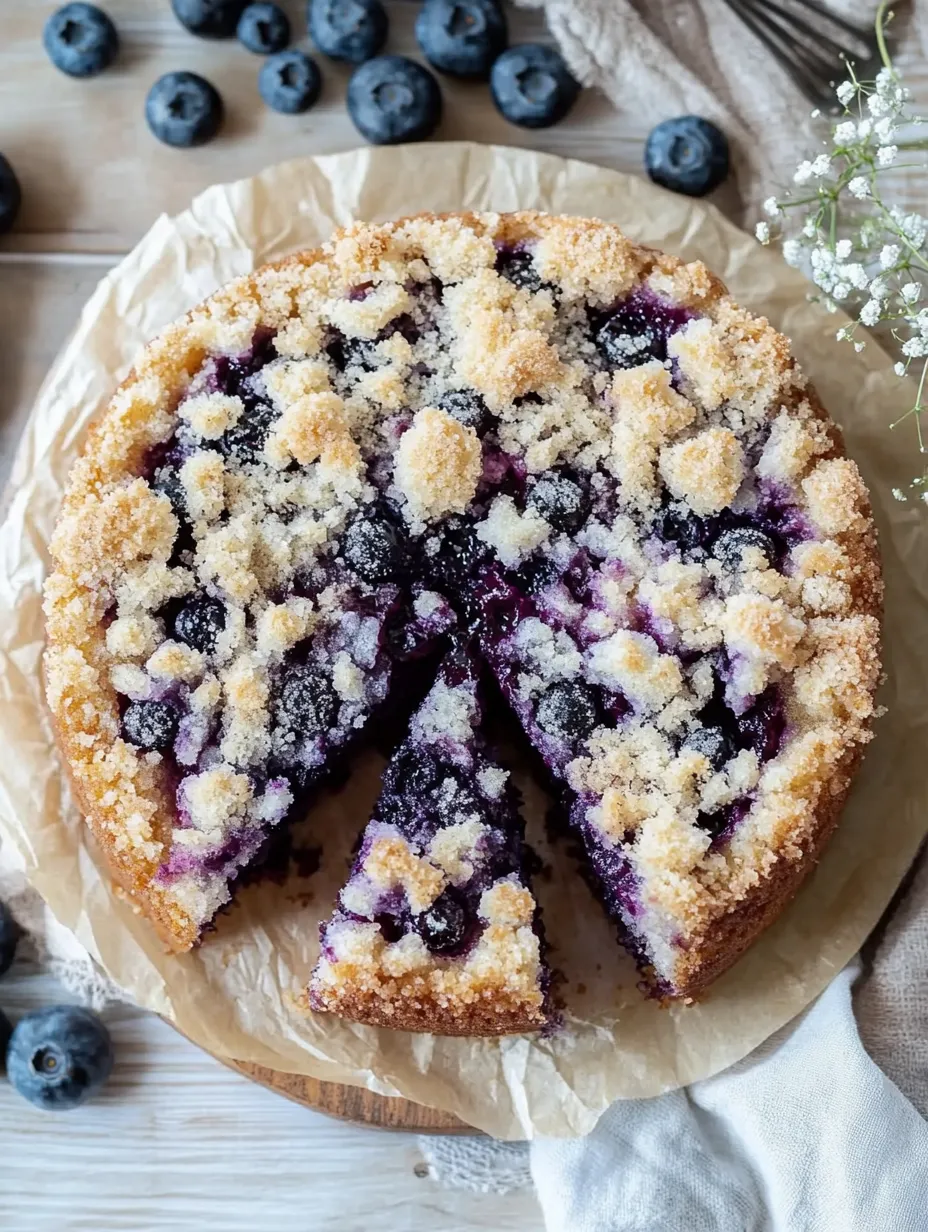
x=177 y=1141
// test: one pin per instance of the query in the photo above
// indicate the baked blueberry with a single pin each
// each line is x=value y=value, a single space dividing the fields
x=444 y=925
x=373 y=549
x=209 y=18
x=459 y=554
x=263 y=29
x=412 y=771
x=761 y=727
x=392 y=99
x=681 y=526
x=467 y=407
x=9 y=939
x=80 y=40
x=532 y=86
x=347 y=352
x=687 y=155
x=167 y=481
x=308 y=703
x=199 y=623
x=636 y=332
x=349 y=30
x=567 y=710
x=536 y=574
x=151 y=726
x=183 y=110
x=461 y=37
x=560 y=500
x=245 y=440
x=290 y=82
x=58 y=1057
x=712 y=742
x=730 y=544
x=10 y=195
x=517 y=265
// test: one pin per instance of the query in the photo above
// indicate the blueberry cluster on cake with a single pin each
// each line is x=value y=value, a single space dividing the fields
x=434 y=929
x=578 y=451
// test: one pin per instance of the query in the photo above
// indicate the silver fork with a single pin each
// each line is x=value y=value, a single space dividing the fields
x=812 y=43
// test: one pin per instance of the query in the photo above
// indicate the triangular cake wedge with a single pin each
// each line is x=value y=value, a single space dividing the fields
x=436 y=927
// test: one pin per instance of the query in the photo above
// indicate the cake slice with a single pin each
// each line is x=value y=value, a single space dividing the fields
x=436 y=928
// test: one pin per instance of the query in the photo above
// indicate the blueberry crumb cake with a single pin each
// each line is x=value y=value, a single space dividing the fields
x=522 y=429
x=434 y=929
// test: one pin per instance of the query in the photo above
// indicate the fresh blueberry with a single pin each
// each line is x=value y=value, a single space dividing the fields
x=263 y=29
x=290 y=82
x=59 y=1057
x=517 y=265
x=10 y=195
x=682 y=527
x=80 y=40
x=567 y=710
x=761 y=727
x=687 y=155
x=532 y=86
x=6 y=1031
x=560 y=500
x=246 y=439
x=731 y=543
x=209 y=18
x=712 y=742
x=373 y=549
x=183 y=110
x=349 y=30
x=9 y=937
x=199 y=623
x=444 y=925
x=467 y=407
x=168 y=483
x=462 y=37
x=392 y=99
x=150 y=725
x=308 y=703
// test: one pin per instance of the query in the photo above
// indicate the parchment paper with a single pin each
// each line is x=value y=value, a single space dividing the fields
x=234 y=995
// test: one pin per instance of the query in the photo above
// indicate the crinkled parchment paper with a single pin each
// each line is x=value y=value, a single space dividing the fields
x=234 y=996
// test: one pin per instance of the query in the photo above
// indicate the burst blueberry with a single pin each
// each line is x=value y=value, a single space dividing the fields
x=460 y=553
x=761 y=727
x=348 y=30
x=209 y=18
x=168 y=483
x=713 y=743
x=9 y=939
x=467 y=407
x=150 y=725
x=443 y=926
x=81 y=40
x=183 y=110
x=518 y=267
x=731 y=544
x=199 y=623
x=263 y=29
x=308 y=704
x=568 y=710
x=560 y=500
x=245 y=440
x=10 y=195
x=683 y=527
x=58 y=1057
x=392 y=99
x=532 y=86
x=462 y=37
x=373 y=549
x=290 y=82
x=687 y=155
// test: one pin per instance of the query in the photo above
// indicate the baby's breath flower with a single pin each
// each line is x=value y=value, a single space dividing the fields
x=810 y=228
x=856 y=275
x=843 y=334
x=792 y=252
x=821 y=165
x=911 y=292
x=878 y=105
x=871 y=312
x=879 y=289
x=771 y=207
x=864 y=129
x=915 y=348
x=859 y=187
x=803 y=173
x=899 y=495
x=886 y=154
x=762 y=231
x=899 y=368
x=843 y=249
x=845 y=92
x=859 y=346
x=840 y=290
x=884 y=129
x=889 y=255
x=845 y=132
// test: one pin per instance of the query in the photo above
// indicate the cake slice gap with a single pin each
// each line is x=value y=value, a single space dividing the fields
x=436 y=928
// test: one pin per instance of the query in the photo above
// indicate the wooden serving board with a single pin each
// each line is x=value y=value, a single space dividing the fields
x=354 y=1104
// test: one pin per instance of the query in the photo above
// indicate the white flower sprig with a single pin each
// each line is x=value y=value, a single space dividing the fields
x=861 y=251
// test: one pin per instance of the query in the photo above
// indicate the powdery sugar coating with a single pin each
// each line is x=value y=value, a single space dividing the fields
x=254 y=433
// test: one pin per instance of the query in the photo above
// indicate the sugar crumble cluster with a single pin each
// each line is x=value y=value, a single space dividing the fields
x=519 y=429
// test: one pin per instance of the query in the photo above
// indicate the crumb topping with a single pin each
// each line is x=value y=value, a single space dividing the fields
x=438 y=463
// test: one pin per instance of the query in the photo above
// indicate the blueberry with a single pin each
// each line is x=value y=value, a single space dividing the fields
x=290 y=82
x=567 y=710
x=373 y=549
x=6 y=1030
x=59 y=1057
x=636 y=333
x=713 y=743
x=467 y=407
x=307 y=702
x=536 y=574
x=761 y=727
x=412 y=771
x=444 y=925
x=10 y=195
x=347 y=352
x=687 y=155
x=392 y=99
x=168 y=483
x=349 y=30
x=209 y=18
x=80 y=40
x=183 y=110
x=263 y=29
x=199 y=623
x=246 y=439
x=460 y=553
x=532 y=86
x=683 y=527
x=9 y=936
x=461 y=37
x=150 y=725
x=731 y=543
x=561 y=501
x=518 y=266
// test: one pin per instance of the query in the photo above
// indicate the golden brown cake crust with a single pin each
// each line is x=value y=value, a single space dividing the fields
x=731 y=364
